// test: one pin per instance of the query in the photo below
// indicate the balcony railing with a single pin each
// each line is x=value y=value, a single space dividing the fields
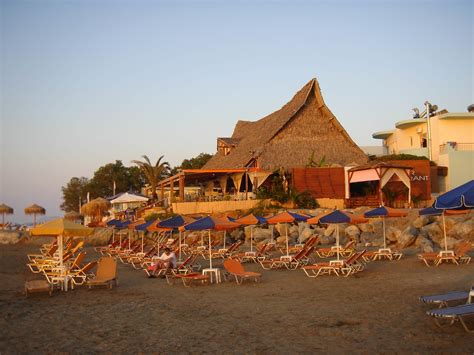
x=460 y=147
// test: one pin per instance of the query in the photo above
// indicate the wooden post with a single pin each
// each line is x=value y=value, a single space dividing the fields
x=181 y=187
x=246 y=185
x=172 y=190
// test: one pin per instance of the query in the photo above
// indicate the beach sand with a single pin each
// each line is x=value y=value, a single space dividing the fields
x=377 y=310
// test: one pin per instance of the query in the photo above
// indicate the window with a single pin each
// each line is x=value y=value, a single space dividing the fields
x=424 y=142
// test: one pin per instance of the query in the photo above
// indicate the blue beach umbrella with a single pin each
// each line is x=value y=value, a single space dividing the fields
x=460 y=197
x=432 y=211
x=210 y=223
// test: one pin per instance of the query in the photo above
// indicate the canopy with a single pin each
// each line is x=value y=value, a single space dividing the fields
x=6 y=209
x=132 y=225
x=286 y=217
x=114 y=223
x=143 y=227
x=208 y=223
x=175 y=222
x=128 y=197
x=338 y=216
x=123 y=225
x=431 y=211
x=460 y=197
x=315 y=220
x=63 y=227
x=250 y=220
x=383 y=211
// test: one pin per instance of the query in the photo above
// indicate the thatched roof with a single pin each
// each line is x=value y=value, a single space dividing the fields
x=72 y=216
x=4 y=209
x=283 y=138
x=35 y=209
x=95 y=207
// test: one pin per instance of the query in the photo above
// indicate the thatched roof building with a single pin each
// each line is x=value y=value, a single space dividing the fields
x=288 y=137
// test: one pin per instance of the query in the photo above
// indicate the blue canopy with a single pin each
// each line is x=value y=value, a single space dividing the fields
x=460 y=197
x=143 y=227
x=209 y=222
x=298 y=217
x=376 y=212
x=173 y=222
x=341 y=217
x=430 y=211
x=123 y=225
x=114 y=223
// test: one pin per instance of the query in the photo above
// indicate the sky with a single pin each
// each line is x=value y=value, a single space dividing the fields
x=83 y=83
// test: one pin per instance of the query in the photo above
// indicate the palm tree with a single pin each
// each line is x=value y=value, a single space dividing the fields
x=153 y=173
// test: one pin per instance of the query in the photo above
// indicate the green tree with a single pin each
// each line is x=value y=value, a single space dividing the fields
x=153 y=172
x=73 y=192
x=125 y=178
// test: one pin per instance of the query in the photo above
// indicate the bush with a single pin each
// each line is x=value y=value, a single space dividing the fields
x=306 y=200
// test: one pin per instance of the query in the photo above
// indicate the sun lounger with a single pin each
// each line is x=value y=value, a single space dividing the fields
x=47 y=254
x=188 y=279
x=35 y=286
x=447 y=299
x=444 y=317
x=277 y=263
x=234 y=268
x=346 y=250
x=79 y=277
x=259 y=254
x=457 y=256
x=337 y=267
x=106 y=273
x=383 y=253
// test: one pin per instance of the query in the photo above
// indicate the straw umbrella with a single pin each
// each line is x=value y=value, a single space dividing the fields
x=61 y=228
x=72 y=216
x=35 y=209
x=4 y=209
x=95 y=208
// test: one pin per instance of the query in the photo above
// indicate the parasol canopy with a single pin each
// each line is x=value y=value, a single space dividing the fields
x=4 y=209
x=62 y=227
x=459 y=197
x=96 y=207
x=35 y=209
x=72 y=216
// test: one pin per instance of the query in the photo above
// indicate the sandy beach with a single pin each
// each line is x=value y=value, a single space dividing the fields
x=376 y=310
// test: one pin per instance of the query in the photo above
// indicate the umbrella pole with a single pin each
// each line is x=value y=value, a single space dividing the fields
x=3 y=220
x=143 y=236
x=224 y=238
x=179 y=245
x=444 y=231
x=120 y=241
x=129 y=239
x=271 y=227
x=113 y=236
x=61 y=262
x=337 y=240
x=251 y=238
x=287 y=248
x=210 y=251
x=34 y=219
x=384 y=240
